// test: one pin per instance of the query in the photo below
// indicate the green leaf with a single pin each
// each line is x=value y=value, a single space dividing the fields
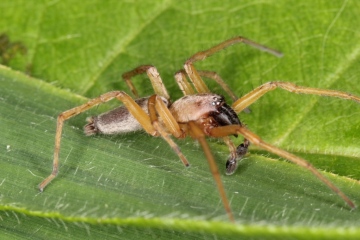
x=133 y=185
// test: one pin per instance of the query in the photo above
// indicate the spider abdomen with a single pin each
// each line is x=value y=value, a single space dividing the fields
x=116 y=121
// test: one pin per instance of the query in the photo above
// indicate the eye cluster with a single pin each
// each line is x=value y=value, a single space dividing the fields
x=217 y=101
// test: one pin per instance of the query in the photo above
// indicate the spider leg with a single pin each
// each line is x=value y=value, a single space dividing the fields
x=186 y=88
x=196 y=133
x=216 y=77
x=140 y=115
x=258 y=92
x=183 y=83
x=194 y=74
x=256 y=140
x=154 y=77
x=156 y=105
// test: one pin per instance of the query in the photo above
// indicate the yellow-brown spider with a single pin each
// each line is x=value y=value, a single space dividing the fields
x=199 y=114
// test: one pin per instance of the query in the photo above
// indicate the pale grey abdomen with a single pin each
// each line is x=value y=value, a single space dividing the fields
x=116 y=121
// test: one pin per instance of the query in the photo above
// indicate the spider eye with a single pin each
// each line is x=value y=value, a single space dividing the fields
x=217 y=101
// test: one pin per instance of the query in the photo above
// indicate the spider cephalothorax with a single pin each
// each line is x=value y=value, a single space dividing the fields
x=199 y=114
x=207 y=109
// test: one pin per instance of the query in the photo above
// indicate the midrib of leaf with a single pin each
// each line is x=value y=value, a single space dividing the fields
x=121 y=45
x=184 y=225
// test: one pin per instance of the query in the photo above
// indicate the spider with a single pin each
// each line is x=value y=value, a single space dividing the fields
x=199 y=113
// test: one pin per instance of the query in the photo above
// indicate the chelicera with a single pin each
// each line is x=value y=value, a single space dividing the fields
x=199 y=113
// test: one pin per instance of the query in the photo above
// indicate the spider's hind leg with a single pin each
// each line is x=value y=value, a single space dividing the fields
x=136 y=111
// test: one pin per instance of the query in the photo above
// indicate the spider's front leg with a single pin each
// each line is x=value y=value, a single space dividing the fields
x=154 y=77
x=198 y=134
x=133 y=109
x=245 y=101
x=256 y=140
x=157 y=107
x=194 y=75
x=187 y=89
x=258 y=92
